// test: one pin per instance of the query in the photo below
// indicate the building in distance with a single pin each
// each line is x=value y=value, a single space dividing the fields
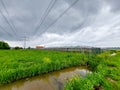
x=40 y=46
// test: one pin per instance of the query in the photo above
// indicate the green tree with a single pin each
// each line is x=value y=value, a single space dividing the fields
x=4 y=45
x=17 y=47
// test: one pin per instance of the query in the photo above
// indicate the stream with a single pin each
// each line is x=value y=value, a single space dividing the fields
x=51 y=81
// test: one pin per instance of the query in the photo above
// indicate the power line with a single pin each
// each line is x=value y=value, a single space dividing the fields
x=6 y=32
x=47 y=11
x=60 y=15
x=7 y=21
x=3 y=3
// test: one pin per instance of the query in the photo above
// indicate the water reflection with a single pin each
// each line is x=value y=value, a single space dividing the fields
x=52 y=81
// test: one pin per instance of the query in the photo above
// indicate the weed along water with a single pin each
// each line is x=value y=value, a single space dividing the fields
x=51 y=81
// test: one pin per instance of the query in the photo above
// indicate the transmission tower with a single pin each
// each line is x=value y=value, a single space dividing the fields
x=24 y=40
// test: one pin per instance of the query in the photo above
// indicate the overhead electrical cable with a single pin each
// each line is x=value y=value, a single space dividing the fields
x=7 y=21
x=7 y=32
x=60 y=16
x=8 y=16
x=46 y=13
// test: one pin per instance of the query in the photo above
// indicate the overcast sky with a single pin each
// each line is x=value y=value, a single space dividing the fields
x=60 y=22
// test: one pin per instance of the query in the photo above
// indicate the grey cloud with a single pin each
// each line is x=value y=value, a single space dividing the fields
x=25 y=14
x=87 y=7
x=88 y=22
x=81 y=15
x=115 y=5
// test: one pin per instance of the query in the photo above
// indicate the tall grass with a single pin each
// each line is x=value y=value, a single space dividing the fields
x=18 y=64
x=105 y=74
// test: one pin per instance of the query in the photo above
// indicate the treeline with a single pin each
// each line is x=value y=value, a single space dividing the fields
x=5 y=45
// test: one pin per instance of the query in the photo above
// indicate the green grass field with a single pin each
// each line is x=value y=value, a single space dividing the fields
x=19 y=64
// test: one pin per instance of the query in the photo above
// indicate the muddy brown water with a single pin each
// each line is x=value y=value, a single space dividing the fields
x=51 y=81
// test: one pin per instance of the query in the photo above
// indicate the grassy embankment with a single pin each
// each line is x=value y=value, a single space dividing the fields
x=105 y=76
x=18 y=64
